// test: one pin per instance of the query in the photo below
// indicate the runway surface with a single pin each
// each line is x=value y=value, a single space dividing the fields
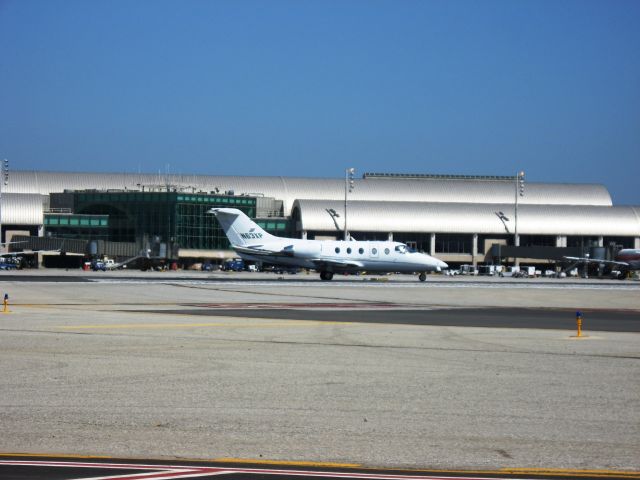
x=394 y=374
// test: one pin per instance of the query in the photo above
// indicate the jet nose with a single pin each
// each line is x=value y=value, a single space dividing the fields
x=440 y=265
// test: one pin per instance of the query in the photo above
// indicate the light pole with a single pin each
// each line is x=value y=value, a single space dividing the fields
x=349 y=185
x=5 y=181
x=519 y=193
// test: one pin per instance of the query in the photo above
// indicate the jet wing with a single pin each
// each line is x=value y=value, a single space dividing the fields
x=596 y=260
x=258 y=250
x=288 y=252
x=336 y=263
x=26 y=252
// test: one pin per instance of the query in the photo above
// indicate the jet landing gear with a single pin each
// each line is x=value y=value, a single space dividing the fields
x=326 y=275
x=422 y=277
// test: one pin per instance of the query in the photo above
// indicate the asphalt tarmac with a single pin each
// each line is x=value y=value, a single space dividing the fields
x=382 y=375
x=543 y=318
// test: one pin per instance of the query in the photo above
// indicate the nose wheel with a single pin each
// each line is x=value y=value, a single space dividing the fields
x=422 y=277
x=326 y=275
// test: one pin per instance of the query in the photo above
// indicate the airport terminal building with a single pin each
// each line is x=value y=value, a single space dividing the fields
x=459 y=219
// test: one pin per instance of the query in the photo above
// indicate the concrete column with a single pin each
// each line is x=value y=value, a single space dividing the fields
x=41 y=230
x=474 y=250
x=636 y=243
x=516 y=243
x=561 y=241
x=390 y=236
x=304 y=234
x=432 y=247
x=601 y=241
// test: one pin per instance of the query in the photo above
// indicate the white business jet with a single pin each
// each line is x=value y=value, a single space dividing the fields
x=326 y=256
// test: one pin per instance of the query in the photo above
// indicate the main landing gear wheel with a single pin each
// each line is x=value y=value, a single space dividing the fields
x=622 y=275
x=326 y=275
x=422 y=277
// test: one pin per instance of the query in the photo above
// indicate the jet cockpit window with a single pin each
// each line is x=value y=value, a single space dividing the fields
x=401 y=248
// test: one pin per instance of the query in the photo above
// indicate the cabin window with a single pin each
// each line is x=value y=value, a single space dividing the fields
x=374 y=251
x=349 y=250
x=386 y=251
x=337 y=249
x=361 y=251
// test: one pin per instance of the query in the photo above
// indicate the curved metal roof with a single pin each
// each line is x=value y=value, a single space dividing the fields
x=469 y=218
x=288 y=189
x=21 y=209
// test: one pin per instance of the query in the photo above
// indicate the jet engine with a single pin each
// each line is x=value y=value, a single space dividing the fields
x=306 y=249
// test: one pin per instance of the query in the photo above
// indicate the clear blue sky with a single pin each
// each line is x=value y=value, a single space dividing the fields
x=307 y=88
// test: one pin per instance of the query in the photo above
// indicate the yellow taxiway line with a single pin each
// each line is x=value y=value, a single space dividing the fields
x=286 y=463
x=289 y=323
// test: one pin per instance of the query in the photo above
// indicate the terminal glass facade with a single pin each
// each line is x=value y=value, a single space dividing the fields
x=91 y=227
x=584 y=242
x=277 y=227
x=485 y=241
x=178 y=219
x=454 y=243
x=537 y=240
x=623 y=242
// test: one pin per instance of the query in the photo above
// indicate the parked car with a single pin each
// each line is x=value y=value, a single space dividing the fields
x=235 y=265
x=7 y=265
x=98 y=265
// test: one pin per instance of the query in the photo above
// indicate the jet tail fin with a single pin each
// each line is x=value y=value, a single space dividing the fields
x=240 y=229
